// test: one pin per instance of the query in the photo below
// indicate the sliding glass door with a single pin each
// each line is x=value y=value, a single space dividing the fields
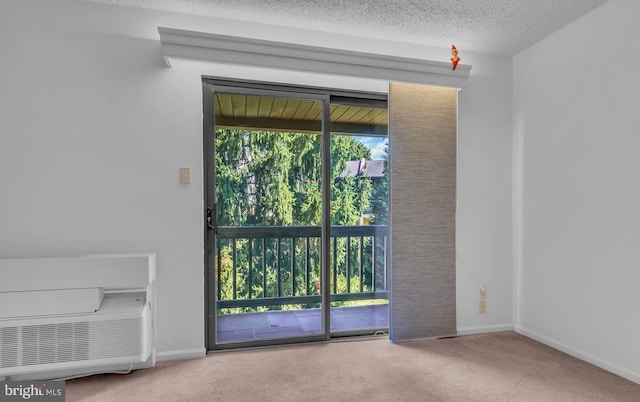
x=359 y=199
x=266 y=221
x=296 y=219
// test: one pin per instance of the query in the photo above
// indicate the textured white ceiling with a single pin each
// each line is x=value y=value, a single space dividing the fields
x=487 y=26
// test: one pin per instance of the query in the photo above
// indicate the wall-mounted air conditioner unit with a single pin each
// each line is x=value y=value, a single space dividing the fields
x=63 y=317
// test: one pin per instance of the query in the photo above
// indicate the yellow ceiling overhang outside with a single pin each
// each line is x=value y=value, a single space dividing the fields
x=251 y=112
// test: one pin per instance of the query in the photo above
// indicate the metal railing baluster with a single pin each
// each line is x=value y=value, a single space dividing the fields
x=264 y=267
x=250 y=273
x=235 y=268
x=384 y=264
x=307 y=262
x=335 y=265
x=293 y=266
x=373 y=263
x=348 y=265
x=219 y=269
x=361 y=264
x=278 y=267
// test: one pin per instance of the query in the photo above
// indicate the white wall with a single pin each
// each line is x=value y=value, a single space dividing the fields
x=94 y=128
x=577 y=126
x=484 y=221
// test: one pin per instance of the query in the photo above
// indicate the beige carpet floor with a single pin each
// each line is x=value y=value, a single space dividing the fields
x=493 y=367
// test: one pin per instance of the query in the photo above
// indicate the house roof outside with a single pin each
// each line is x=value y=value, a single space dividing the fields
x=371 y=169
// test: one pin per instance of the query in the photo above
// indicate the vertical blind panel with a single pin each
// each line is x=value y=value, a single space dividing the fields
x=423 y=131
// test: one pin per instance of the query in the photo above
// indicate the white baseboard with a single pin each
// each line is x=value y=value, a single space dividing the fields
x=484 y=329
x=181 y=354
x=603 y=364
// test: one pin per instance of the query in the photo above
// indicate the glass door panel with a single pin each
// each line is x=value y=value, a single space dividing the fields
x=268 y=217
x=359 y=219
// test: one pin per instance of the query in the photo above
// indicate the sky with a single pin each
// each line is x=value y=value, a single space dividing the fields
x=377 y=146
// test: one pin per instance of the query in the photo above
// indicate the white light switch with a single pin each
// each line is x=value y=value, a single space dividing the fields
x=185 y=175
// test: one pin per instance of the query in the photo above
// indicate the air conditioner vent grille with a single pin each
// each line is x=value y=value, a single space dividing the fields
x=8 y=347
x=117 y=338
x=54 y=343
x=70 y=342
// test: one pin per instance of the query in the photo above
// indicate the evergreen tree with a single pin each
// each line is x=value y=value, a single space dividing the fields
x=274 y=179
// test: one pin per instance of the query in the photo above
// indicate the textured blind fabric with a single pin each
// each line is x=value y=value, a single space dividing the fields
x=422 y=132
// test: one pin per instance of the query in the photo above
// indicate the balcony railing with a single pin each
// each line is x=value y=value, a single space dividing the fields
x=258 y=266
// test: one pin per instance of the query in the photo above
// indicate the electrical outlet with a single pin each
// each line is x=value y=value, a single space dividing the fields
x=483 y=292
x=483 y=306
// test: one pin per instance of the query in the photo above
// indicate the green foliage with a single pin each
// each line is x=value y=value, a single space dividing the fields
x=275 y=179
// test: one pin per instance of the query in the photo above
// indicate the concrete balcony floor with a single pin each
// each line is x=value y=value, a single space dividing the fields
x=295 y=323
